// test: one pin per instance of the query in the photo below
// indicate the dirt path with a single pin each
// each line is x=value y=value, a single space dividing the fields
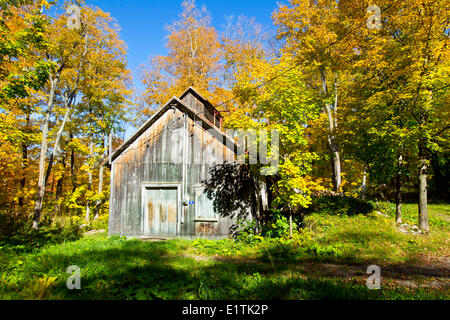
x=435 y=275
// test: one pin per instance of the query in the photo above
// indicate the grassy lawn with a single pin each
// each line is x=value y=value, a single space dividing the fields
x=327 y=260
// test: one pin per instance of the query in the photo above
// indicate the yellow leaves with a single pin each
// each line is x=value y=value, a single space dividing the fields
x=73 y=201
x=193 y=58
x=85 y=167
x=78 y=145
x=77 y=220
x=295 y=186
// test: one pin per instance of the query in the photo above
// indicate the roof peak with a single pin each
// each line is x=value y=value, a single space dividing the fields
x=195 y=92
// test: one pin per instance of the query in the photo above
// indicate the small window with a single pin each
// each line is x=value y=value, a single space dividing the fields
x=203 y=205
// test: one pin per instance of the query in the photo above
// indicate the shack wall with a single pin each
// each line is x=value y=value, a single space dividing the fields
x=156 y=157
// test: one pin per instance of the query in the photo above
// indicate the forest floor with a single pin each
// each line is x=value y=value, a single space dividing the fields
x=328 y=260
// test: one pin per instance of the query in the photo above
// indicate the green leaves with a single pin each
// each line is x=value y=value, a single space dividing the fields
x=22 y=33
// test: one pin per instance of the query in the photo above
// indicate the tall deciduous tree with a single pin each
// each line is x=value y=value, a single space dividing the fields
x=89 y=58
x=403 y=70
x=193 y=58
x=313 y=33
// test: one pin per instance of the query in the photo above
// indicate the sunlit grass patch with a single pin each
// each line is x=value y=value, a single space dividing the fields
x=263 y=268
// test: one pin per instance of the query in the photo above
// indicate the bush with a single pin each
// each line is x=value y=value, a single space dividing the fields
x=339 y=205
x=12 y=223
x=279 y=226
x=324 y=251
x=245 y=230
x=29 y=240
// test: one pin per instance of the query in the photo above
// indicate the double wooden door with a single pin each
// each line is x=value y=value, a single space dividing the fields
x=160 y=211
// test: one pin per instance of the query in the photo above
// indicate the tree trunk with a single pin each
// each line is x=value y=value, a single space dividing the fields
x=88 y=209
x=42 y=176
x=398 y=192
x=258 y=208
x=100 y=181
x=364 y=183
x=331 y=137
x=336 y=164
x=23 y=180
x=423 y=209
x=73 y=177
x=100 y=190
x=59 y=189
x=56 y=145
x=43 y=155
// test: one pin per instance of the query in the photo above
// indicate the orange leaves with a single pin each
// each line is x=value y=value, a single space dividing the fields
x=193 y=58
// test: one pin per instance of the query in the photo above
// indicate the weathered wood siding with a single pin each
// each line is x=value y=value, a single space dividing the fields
x=156 y=157
x=203 y=108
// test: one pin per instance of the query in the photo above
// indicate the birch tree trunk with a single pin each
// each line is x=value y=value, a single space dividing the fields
x=56 y=145
x=100 y=181
x=44 y=145
x=398 y=192
x=43 y=155
x=364 y=183
x=331 y=137
x=423 y=205
x=88 y=208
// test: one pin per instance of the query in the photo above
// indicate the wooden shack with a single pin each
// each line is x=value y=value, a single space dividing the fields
x=157 y=174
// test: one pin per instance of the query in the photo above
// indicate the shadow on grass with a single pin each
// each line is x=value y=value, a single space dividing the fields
x=27 y=242
x=138 y=270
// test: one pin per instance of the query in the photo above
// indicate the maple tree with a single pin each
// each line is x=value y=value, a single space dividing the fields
x=266 y=101
x=193 y=58
x=313 y=33
x=401 y=70
x=75 y=80
x=22 y=26
x=361 y=110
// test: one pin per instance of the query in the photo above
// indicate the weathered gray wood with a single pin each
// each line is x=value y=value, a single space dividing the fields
x=155 y=156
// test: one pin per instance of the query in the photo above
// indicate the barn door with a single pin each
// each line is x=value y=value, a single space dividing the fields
x=160 y=211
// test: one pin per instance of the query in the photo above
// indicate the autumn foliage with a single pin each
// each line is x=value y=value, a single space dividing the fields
x=362 y=111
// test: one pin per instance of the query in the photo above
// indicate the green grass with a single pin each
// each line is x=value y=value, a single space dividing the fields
x=117 y=268
x=375 y=239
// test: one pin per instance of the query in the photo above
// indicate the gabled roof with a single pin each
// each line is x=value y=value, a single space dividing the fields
x=173 y=102
x=199 y=97
x=194 y=92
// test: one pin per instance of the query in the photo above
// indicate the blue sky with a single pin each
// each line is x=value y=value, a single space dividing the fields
x=143 y=22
